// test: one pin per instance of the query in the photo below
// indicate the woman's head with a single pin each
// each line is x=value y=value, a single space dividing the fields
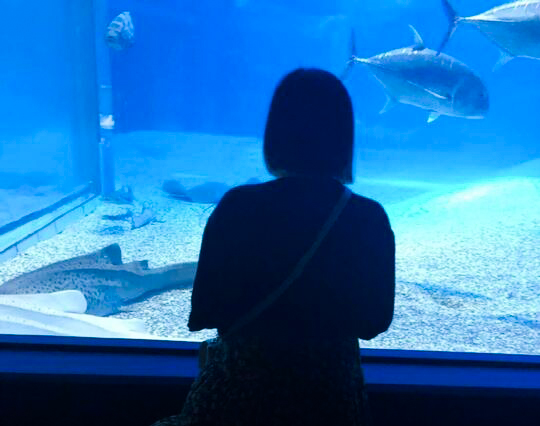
x=310 y=127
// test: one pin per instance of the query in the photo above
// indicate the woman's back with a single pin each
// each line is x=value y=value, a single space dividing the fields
x=256 y=236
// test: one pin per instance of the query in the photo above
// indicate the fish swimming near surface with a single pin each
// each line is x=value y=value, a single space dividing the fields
x=120 y=33
x=420 y=77
x=103 y=279
x=513 y=27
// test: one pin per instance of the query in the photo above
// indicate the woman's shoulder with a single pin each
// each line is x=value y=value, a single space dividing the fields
x=371 y=211
x=243 y=193
x=239 y=199
x=264 y=196
x=369 y=204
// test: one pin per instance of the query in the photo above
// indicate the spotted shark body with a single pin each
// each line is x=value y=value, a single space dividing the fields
x=106 y=282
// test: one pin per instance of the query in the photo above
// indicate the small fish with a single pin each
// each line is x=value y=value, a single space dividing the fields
x=106 y=283
x=120 y=32
x=146 y=216
x=420 y=77
x=513 y=27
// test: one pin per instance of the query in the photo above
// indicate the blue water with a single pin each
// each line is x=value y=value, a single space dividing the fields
x=209 y=68
x=47 y=112
x=213 y=69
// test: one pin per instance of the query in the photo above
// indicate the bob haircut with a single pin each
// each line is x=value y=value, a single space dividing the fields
x=310 y=127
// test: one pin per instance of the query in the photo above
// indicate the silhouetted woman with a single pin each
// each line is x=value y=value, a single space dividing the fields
x=296 y=360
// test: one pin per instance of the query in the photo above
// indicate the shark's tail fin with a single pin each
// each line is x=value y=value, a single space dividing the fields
x=453 y=20
x=178 y=275
x=351 y=60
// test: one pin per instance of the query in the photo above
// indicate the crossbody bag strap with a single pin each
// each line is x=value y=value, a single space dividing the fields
x=297 y=271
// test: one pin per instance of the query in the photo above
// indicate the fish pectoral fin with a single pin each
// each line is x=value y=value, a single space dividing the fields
x=504 y=58
x=418 y=42
x=390 y=103
x=433 y=115
x=437 y=95
x=431 y=92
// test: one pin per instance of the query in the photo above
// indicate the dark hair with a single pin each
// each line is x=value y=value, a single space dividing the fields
x=310 y=127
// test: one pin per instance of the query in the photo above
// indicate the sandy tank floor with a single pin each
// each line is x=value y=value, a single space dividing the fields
x=468 y=253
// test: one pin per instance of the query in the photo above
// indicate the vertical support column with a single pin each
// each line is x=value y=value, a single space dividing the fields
x=106 y=113
x=85 y=122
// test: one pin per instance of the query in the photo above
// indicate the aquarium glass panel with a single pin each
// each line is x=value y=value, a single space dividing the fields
x=48 y=110
x=446 y=99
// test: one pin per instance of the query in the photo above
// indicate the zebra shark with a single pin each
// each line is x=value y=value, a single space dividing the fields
x=106 y=282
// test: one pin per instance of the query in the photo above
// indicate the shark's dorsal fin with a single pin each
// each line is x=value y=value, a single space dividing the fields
x=418 y=42
x=113 y=253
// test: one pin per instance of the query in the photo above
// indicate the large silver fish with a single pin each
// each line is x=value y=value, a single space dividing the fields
x=420 y=77
x=120 y=32
x=513 y=27
x=106 y=282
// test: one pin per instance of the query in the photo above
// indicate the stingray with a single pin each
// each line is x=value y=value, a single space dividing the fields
x=62 y=313
x=206 y=193
x=106 y=282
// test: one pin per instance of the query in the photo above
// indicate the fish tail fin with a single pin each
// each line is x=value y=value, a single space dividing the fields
x=178 y=276
x=453 y=20
x=353 y=45
x=352 y=58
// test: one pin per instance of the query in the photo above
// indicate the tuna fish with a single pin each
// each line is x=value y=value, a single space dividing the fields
x=120 y=32
x=106 y=282
x=420 y=77
x=513 y=27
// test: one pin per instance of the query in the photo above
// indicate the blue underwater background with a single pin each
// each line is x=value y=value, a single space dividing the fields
x=211 y=68
x=189 y=101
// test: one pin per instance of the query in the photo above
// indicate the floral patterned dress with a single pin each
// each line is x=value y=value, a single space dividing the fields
x=249 y=383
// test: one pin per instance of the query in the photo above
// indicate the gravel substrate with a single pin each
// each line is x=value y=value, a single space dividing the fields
x=468 y=256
